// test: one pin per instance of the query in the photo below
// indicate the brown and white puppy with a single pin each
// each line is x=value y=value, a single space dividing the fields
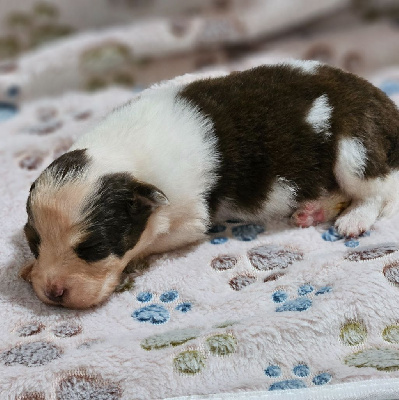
x=298 y=138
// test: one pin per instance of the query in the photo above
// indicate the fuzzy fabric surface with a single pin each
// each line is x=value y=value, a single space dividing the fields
x=256 y=311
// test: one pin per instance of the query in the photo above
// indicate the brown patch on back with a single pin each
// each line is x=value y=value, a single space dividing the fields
x=259 y=117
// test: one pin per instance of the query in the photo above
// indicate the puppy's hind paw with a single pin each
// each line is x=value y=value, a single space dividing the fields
x=356 y=220
x=309 y=214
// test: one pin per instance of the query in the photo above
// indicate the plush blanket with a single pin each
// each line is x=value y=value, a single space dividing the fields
x=256 y=311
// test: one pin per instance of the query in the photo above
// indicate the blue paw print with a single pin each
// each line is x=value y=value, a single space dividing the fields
x=332 y=236
x=7 y=110
x=390 y=87
x=157 y=313
x=217 y=229
x=247 y=232
x=243 y=232
x=301 y=371
x=302 y=302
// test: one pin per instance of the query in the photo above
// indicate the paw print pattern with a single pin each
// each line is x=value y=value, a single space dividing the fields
x=224 y=262
x=32 y=354
x=31 y=161
x=302 y=302
x=248 y=232
x=42 y=352
x=39 y=352
x=301 y=371
x=234 y=228
x=74 y=384
x=371 y=252
x=67 y=330
x=192 y=361
x=158 y=314
x=7 y=110
x=265 y=258
x=354 y=333
x=30 y=329
x=391 y=272
x=332 y=235
x=239 y=282
x=262 y=258
x=32 y=396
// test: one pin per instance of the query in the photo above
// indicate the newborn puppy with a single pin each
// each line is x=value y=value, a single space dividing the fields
x=298 y=138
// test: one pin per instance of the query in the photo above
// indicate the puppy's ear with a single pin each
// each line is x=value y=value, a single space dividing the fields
x=150 y=195
x=25 y=272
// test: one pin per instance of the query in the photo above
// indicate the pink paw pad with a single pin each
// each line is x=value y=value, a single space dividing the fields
x=308 y=215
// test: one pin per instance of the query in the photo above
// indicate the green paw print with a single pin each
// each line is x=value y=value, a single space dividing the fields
x=193 y=361
x=382 y=358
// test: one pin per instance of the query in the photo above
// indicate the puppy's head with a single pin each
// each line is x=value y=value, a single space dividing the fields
x=82 y=229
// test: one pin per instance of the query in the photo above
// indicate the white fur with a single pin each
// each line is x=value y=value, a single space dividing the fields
x=319 y=116
x=164 y=141
x=279 y=203
x=281 y=199
x=307 y=66
x=352 y=158
x=371 y=198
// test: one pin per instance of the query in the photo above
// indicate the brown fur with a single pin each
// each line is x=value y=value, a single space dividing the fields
x=259 y=118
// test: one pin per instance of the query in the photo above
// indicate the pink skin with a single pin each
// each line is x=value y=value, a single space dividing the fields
x=315 y=212
x=309 y=215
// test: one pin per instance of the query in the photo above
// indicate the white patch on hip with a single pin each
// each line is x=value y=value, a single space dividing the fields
x=280 y=202
x=319 y=116
x=281 y=199
x=307 y=66
x=351 y=160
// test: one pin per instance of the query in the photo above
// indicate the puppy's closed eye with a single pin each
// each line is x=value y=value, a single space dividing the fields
x=91 y=250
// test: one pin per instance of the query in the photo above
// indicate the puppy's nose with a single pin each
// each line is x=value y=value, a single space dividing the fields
x=55 y=293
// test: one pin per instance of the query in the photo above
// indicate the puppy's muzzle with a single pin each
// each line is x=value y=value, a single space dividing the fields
x=55 y=293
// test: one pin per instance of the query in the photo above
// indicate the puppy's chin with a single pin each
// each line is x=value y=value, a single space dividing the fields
x=77 y=299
